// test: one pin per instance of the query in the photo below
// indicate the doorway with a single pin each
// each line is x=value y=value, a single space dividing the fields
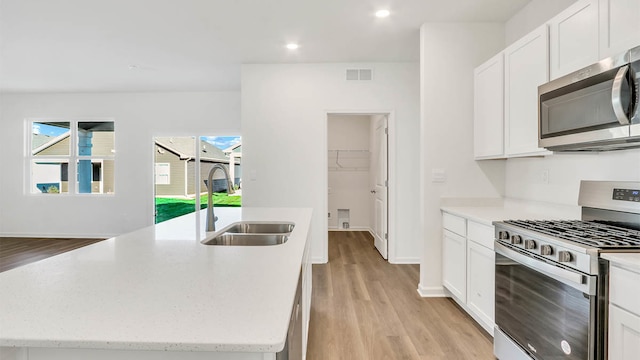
x=358 y=176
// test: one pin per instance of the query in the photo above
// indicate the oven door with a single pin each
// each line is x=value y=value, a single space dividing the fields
x=549 y=311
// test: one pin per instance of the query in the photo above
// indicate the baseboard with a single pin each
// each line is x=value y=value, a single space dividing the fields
x=58 y=236
x=406 y=260
x=431 y=291
x=318 y=260
x=353 y=228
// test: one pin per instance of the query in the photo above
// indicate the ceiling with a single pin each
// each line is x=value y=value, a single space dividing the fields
x=184 y=45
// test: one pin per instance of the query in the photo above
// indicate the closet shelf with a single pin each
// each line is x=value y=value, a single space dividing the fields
x=348 y=160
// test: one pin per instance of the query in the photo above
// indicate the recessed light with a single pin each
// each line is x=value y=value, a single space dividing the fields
x=382 y=13
x=292 y=46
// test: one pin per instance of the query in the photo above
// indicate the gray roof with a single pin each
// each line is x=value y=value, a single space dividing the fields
x=38 y=140
x=183 y=147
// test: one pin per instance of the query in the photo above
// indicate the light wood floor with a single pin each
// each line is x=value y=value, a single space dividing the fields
x=16 y=252
x=365 y=308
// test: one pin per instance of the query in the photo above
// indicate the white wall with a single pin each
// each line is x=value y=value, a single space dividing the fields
x=534 y=14
x=349 y=185
x=449 y=53
x=139 y=117
x=284 y=128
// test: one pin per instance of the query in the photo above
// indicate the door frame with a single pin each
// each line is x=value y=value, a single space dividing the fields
x=391 y=171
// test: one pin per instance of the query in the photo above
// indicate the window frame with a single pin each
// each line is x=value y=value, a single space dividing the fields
x=71 y=159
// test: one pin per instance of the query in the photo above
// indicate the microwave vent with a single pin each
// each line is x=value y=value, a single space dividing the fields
x=359 y=74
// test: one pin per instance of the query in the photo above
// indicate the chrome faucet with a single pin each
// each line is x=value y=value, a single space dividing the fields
x=211 y=217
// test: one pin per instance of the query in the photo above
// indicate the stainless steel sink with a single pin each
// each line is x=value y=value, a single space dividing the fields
x=254 y=227
x=230 y=239
x=251 y=233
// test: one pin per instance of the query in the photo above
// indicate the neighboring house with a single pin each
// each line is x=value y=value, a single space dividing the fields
x=175 y=166
x=48 y=171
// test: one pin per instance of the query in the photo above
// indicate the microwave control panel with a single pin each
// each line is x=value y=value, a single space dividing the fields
x=626 y=195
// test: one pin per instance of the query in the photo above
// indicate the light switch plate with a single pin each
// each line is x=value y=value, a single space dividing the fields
x=438 y=175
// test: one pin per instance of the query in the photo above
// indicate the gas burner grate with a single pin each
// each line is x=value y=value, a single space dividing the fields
x=589 y=233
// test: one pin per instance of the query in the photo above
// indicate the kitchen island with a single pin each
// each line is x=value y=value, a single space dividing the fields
x=158 y=293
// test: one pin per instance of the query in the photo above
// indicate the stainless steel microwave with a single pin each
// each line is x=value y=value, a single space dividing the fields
x=592 y=109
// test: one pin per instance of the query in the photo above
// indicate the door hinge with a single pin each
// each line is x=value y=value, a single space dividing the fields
x=386 y=183
x=386 y=236
x=386 y=131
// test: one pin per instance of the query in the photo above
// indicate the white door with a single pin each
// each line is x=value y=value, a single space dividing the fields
x=380 y=186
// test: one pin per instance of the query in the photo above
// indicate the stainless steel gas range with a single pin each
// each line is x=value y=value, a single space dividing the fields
x=551 y=283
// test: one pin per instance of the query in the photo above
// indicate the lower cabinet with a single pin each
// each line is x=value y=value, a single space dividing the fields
x=468 y=267
x=454 y=276
x=624 y=314
x=481 y=283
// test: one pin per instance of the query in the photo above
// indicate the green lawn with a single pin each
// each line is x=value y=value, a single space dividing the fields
x=167 y=208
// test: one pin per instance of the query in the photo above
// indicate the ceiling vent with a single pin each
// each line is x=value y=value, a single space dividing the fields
x=359 y=74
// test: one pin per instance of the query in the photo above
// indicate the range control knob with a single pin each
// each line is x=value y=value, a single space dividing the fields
x=503 y=235
x=546 y=250
x=516 y=239
x=564 y=256
x=529 y=244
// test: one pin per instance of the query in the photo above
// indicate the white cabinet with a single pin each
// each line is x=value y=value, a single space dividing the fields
x=619 y=26
x=573 y=38
x=488 y=106
x=526 y=68
x=481 y=283
x=468 y=267
x=624 y=314
x=454 y=255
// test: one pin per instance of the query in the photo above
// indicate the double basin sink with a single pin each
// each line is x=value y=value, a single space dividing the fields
x=251 y=233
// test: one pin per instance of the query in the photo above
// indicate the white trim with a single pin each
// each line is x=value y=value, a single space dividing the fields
x=432 y=291
x=391 y=189
x=351 y=228
x=406 y=260
x=59 y=235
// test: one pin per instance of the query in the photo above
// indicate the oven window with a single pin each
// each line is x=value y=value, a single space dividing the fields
x=549 y=319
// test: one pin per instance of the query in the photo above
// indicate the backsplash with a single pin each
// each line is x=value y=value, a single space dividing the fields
x=556 y=178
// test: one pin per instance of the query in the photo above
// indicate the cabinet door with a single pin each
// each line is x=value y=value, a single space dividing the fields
x=454 y=261
x=488 y=100
x=624 y=334
x=573 y=38
x=619 y=26
x=481 y=280
x=526 y=68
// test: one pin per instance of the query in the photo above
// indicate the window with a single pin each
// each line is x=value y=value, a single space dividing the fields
x=64 y=150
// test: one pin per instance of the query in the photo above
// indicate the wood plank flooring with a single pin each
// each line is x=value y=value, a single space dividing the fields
x=16 y=252
x=365 y=308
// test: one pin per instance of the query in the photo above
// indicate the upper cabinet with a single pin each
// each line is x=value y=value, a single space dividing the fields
x=619 y=26
x=573 y=36
x=488 y=109
x=526 y=68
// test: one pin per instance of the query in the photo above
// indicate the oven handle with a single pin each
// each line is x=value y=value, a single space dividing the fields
x=616 y=96
x=576 y=280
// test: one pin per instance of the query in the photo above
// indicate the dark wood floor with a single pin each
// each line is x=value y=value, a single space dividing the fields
x=362 y=306
x=16 y=252
x=365 y=308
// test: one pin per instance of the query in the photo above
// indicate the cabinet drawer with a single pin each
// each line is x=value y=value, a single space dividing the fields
x=481 y=234
x=623 y=289
x=455 y=224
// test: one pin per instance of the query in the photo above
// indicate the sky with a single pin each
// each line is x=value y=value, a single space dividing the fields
x=222 y=142
x=44 y=129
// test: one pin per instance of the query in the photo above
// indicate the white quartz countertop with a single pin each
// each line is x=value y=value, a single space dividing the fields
x=159 y=288
x=512 y=210
x=629 y=261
